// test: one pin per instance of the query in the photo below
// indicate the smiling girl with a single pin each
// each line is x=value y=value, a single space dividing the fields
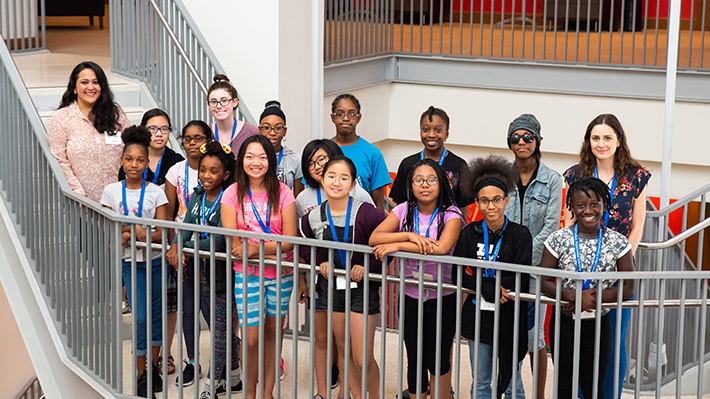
x=605 y=154
x=223 y=100
x=585 y=246
x=273 y=127
x=259 y=202
x=428 y=223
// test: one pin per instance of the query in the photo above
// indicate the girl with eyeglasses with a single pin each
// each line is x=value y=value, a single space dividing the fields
x=536 y=203
x=161 y=157
x=605 y=154
x=259 y=202
x=223 y=100
x=433 y=132
x=272 y=125
x=182 y=179
x=428 y=223
x=494 y=239
x=341 y=218
x=373 y=174
x=585 y=246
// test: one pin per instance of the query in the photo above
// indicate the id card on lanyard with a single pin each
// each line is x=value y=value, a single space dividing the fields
x=595 y=263
x=485 y=305
x=341 y=282
x=139 y=253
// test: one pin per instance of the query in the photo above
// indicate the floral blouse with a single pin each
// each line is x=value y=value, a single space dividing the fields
x=628 y=188
x=89 y=159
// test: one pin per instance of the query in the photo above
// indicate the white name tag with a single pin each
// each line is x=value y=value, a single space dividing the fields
x=588 y=315
x=489 y=306
x=427 y=277
x=115 y=139
x=341 y=283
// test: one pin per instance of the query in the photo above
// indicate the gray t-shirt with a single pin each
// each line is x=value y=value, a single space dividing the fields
x=308 y=199
x=289 y=169
x=154 y=197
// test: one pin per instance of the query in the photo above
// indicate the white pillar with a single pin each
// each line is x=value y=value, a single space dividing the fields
x=671 y=70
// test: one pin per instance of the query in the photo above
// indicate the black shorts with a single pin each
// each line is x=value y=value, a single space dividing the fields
x=356 y=298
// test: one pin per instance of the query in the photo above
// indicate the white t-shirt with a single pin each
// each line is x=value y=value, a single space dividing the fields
x=176 y=177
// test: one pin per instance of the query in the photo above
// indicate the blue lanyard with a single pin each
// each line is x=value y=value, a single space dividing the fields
x=234 y=130
x=320 y=201
x=281 y=155
x=341 y=252
x=205 y=214
x=266 y=229
x=578 y=257
x=157 y=170
x=611 y=191
x=186 y=188
x=140 y=201
x=416 y=220
x=441 y=159
x=494 y=257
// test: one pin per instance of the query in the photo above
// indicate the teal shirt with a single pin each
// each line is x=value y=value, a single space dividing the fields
x=192 y=216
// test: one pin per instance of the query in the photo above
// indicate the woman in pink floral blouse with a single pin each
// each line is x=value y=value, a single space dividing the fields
x=85 y=132
x=605 y=155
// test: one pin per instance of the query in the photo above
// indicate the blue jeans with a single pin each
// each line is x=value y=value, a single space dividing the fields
x=139 y=310
x=485 y=371
x=609 y=381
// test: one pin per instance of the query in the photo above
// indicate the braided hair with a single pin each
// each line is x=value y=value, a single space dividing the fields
x=586 y=185
x=217 y=150
x=444 y=202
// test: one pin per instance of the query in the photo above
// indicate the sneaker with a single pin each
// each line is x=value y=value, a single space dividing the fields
x=334 y=375
x=236 y=380
x=157 y=380
x=126 y=308
x=142 y=386
x=405 y=394
x=283 y=372
x=188 y=374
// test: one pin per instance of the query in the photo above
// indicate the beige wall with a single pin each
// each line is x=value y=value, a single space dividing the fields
x=15 y=368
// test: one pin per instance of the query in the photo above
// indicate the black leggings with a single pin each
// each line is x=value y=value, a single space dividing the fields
x=448 y=330
x=586 y=355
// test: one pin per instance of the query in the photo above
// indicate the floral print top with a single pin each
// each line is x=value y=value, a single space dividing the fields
x=628 y=188
x=89 y=159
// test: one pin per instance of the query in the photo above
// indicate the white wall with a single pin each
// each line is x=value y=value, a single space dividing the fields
x=480 y=118
x=264 y=46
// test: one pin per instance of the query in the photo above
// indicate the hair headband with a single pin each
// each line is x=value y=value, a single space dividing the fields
x=491 y=181
x=227 y=149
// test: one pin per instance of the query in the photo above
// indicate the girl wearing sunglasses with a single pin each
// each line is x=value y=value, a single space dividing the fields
x=535 y=202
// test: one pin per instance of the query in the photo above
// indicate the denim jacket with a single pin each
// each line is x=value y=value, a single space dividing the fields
x=541 y=210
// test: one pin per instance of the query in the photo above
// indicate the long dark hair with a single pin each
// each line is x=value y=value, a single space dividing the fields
x=215 y=149
x=444 y=202
x=622 y=157
x=271 y=180
x=150 y=114
x=330 y=148
x=105 y=112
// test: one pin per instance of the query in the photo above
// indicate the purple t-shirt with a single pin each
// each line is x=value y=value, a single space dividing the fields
x=431 y=268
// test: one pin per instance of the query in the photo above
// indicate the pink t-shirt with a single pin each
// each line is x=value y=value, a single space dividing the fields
x=431 y=268
x=176 y=177
x=246 y=220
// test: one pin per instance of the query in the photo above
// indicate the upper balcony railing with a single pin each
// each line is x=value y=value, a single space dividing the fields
x=628 y=33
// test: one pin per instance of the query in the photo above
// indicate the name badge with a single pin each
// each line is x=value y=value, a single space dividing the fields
x=115 y=139
x=488 y=306
x=588 y=315
x=341 y=283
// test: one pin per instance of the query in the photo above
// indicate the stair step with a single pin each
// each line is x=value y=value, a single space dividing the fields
x=126 y=94
x=134 y=114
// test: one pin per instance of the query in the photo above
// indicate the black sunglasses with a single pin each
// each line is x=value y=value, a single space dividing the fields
x=527 y=137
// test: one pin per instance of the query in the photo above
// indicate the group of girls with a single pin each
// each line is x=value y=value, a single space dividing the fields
x=242 y=177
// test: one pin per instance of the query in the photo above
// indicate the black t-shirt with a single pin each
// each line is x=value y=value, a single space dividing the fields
x=522 y=189
x=170 y=158
x=452 y=165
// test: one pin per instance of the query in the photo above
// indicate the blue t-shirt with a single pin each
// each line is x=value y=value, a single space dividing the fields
x=372 y=170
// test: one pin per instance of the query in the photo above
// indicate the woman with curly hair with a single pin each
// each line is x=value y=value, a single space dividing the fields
x=494 y=239
x=84 y=133
x=605 y=155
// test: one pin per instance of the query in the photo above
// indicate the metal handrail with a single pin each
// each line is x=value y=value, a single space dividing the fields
x=680 y=203
x=678 y=238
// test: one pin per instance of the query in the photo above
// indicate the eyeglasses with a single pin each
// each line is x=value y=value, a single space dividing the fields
x=431 y=181
x=485 y=201
x=318 y=162
x=196 y=139
x=341 y=114
x=278 y=129
x=223 y=101
x=330 y=179
x=163 y=130
x=527 y=137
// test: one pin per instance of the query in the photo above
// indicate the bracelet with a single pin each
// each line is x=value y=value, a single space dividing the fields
x=302 y=273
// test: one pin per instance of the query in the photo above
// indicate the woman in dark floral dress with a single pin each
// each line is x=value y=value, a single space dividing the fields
x=605 y=154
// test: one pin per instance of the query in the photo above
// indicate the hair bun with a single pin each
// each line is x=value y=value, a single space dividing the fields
x=273 y=103
x=220 y=78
